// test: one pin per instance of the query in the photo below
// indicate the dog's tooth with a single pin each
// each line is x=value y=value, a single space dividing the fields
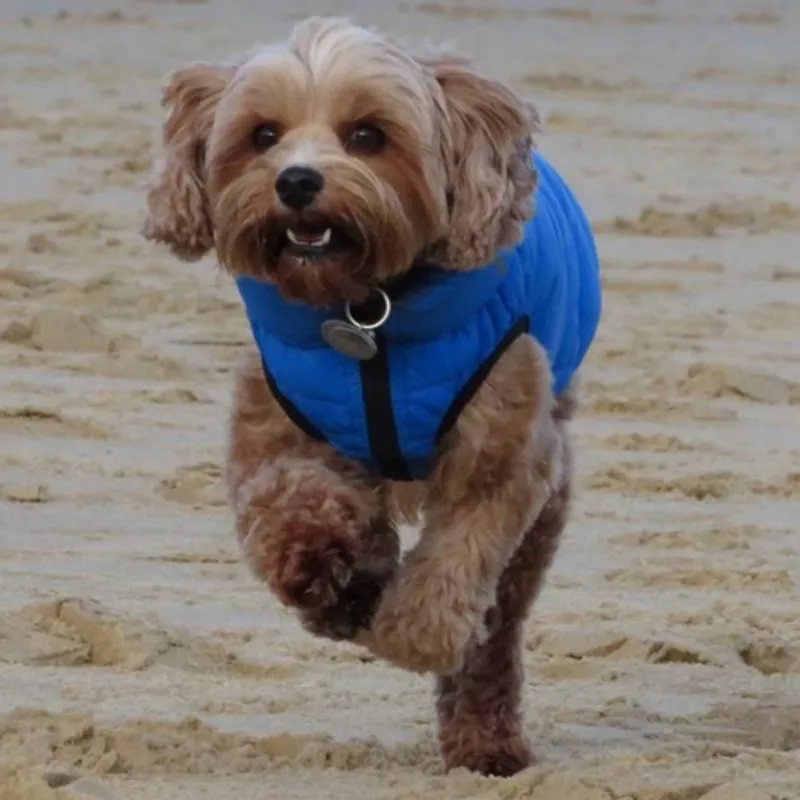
x=320 y=241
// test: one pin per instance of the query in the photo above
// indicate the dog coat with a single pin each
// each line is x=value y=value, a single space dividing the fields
x=444 y=334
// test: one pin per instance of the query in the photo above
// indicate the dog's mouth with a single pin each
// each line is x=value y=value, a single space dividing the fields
x=305 y=240
x=318 y=259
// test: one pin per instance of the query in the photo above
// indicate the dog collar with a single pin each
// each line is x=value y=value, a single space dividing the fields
x=426 y=302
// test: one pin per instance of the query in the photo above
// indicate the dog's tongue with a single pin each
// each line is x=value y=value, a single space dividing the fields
x=309 y=238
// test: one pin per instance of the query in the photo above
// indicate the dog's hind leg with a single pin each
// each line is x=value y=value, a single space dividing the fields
x=479 y=708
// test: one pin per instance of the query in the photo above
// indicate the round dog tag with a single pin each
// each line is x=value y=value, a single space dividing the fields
x=349 y=339
x=353 y=338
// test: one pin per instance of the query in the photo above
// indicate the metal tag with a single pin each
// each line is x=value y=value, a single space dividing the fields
x=349 y=340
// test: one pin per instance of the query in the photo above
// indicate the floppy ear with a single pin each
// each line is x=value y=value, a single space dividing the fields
x=486 y=136
x=177 y=205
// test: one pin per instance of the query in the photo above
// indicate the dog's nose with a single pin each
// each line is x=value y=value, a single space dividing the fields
x=298 y=186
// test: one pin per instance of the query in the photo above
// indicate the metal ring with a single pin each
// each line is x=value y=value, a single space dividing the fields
x=371 y=326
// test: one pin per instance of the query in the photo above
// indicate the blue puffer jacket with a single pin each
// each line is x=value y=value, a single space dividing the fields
x=442 y=337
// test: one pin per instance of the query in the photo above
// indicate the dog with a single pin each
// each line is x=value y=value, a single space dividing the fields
x=422 y=288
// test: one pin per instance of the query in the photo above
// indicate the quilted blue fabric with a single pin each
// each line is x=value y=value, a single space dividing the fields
x=440 y=333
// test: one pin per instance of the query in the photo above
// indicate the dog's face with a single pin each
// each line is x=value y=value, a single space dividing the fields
x=330 y=164
x=321 y=168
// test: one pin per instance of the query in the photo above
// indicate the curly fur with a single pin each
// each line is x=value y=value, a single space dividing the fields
x=455 y=185
x=178 y=214
x=485 y=135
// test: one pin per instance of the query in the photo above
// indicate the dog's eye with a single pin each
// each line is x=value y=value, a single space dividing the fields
x=366 y=139
x=265 y=136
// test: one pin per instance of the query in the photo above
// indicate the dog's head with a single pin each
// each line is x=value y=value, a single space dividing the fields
x=331 y=163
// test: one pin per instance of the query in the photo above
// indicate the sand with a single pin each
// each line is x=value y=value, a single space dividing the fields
x=140 y=660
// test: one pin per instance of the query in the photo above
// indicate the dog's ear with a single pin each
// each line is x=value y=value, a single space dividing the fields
x=485 y=137
x=177 y=205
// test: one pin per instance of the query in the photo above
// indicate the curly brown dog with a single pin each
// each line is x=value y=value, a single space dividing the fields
x=417 y=339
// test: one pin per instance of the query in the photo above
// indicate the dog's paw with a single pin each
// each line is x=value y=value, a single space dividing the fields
x=422 y=639
x=314 y=567
x=352 y=611
x=487 y=754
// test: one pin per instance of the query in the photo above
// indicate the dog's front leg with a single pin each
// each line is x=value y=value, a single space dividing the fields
x=312 y=525
x=493 y=478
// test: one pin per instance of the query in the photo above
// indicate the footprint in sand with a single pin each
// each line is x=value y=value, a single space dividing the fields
x=709 y=220
x=33 y=421
x=199 y=486
x=82 y=632
x=631 y=478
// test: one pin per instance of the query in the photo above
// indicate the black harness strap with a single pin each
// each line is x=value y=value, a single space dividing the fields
x=468 y=390
x=384 y=441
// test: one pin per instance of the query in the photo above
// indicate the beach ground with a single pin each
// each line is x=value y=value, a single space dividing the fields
x=663 y=659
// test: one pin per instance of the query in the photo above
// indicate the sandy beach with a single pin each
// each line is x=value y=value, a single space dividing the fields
x=140 y=660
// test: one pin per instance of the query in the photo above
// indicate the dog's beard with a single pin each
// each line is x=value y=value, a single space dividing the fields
x=338 y=250
x=314 y=257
